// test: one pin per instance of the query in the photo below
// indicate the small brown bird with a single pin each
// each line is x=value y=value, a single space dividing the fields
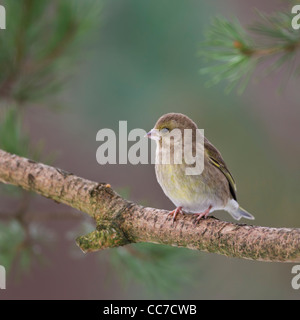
x=200 y=194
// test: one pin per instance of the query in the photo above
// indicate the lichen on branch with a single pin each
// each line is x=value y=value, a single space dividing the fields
x=120 y=222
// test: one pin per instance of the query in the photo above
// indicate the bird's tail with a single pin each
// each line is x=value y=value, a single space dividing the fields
x=239 y=213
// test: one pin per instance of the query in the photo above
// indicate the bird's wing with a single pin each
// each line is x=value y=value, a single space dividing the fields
x=216 y=159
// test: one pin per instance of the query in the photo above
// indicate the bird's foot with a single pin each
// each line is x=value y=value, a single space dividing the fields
x=203 y=214
x=174 y=213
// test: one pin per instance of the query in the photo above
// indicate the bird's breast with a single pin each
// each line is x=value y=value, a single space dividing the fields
x=195 y=193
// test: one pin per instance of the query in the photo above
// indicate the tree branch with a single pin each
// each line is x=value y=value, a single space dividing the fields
x=121 y=222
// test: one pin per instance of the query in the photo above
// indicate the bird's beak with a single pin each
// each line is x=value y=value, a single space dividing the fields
x=153 y=134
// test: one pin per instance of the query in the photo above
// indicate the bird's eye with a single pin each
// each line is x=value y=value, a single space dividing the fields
x=164 y=130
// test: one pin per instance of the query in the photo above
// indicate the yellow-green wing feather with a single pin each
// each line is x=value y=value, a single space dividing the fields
x=216 y=159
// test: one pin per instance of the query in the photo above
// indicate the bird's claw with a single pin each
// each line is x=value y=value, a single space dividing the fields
x=174 y=213
x=201 y=215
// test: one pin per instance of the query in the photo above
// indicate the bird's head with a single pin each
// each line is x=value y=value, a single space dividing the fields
x=171 y=123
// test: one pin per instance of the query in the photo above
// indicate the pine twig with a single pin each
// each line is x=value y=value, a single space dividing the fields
x=234 y=52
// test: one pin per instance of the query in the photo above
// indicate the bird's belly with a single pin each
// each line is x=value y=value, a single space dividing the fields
x=186 y=191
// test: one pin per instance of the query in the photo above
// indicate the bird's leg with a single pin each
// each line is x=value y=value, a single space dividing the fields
x=203 y=214
x=175 y=212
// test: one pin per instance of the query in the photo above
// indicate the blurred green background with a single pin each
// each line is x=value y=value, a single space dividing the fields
x=139 y=63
